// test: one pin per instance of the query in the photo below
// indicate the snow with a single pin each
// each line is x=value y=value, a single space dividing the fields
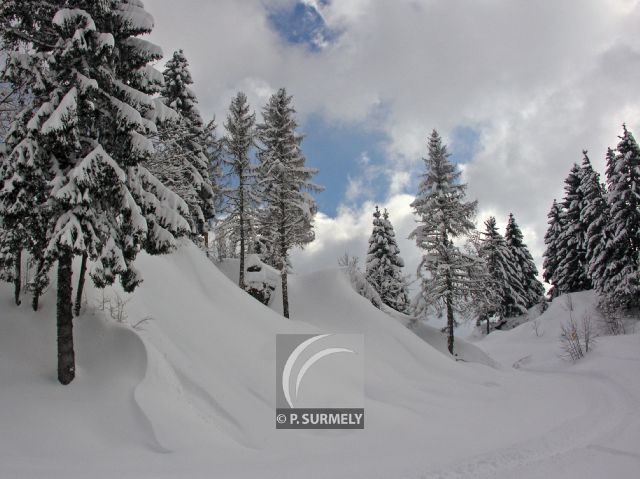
x=135 y=17
x=127 y=114
x=162 y=113
x=86 y=83
x=95 y=161
x=64 y=112
x=190 y=391
x=143 y=48
x=141 y=144
x=65 y=15
x=105 y=40
x=137 y=97
x=150 y=76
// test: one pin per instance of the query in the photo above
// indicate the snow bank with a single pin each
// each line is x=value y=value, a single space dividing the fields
x=191 y=392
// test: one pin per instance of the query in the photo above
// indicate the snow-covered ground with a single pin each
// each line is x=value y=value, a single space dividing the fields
x=190 y=392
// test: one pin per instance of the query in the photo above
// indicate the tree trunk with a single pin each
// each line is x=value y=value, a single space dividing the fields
x=83 y=272
x=37 y=290
x=17 y=280
x=283 y=258
x=488 y=326
x=449 y=291
x=241 y=198
x=450 y=322
x=35 y=301
x=285 y=291
x=66 y=356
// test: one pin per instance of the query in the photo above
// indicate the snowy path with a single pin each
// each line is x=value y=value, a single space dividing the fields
x=575 y=448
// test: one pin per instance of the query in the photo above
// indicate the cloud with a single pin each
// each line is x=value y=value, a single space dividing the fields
x=535 y=81
x=355 y=189
x=349 y=231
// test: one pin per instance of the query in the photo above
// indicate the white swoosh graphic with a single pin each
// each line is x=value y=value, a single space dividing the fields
x=315 y=358
x=286 y=372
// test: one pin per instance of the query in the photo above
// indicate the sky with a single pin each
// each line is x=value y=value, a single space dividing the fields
x=516 y=88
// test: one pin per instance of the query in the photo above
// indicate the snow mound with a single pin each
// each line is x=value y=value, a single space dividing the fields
x=191 y=391
x=536 y=342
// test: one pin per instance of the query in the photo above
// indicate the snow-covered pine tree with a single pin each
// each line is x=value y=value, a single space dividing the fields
x=92 y=131
x=447 y=273
x=572 y=270
x=503 y=269
x=184 y=144
x=527 y=273
x=283 y=186
x=384 y=264
x=23 y=215
x=594 y=213
x=237 y=145
x=22 y=179
x=551 y=254
x=621 y=277
x=399 y=288
x=13 y=98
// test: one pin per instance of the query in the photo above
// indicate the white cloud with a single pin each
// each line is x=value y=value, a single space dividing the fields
x=539 y=81
x=349 y=233
x=355 y=189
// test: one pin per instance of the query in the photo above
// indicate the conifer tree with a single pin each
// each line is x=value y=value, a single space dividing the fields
x=183 y=160
x=572 y=269
x=526 y=271
x=384 y=264
x=22 y=171
x=23 y=213
x=237 y=144
x=447 y=273
x=89 y=129
x=502 y=266
x=594 y=213
x=620 y=282
x=552 y=252
x=284 y=183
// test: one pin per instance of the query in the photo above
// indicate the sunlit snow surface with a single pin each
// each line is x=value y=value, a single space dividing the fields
x=191 y=393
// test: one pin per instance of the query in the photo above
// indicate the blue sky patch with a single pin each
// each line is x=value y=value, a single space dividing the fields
x=342 y=152
x=464 y=144
x=302 y=24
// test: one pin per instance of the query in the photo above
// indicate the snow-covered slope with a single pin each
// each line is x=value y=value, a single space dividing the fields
x=191 y=392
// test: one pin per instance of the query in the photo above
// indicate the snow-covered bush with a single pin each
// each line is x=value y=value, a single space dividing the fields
x=261 y=279
x=576 y=337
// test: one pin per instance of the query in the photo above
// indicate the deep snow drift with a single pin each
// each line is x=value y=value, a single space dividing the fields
x=191 y=391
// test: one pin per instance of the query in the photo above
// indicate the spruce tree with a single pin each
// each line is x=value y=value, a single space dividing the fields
x=532 y=289
x=552 y=252
x=26 y=42
x=399 y=289
x=184 y=143
x=237 y=144
x=284 y=183
x=90 y=129
x=384 y=264
x=572 y=265
x=594 y=213
x=503 y=269
x=447 y=273
x=23 y=212
x=620 y=283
